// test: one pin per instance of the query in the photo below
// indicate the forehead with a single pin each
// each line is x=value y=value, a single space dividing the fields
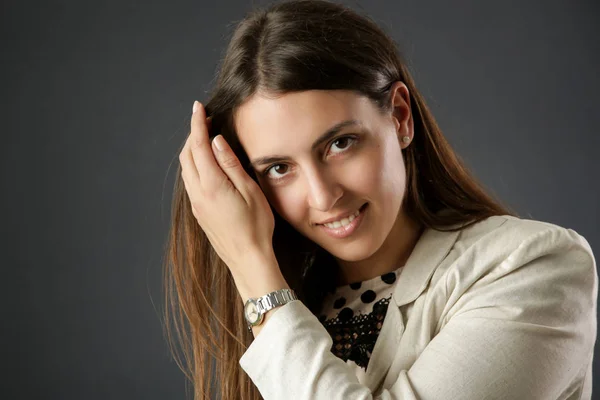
x=268 y=125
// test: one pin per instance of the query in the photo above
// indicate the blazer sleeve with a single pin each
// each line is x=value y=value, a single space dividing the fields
x=523 y=330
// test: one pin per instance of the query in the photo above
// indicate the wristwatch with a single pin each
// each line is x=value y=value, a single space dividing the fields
x=255 y=308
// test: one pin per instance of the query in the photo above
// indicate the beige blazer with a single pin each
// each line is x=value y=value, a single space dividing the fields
x=504 y=309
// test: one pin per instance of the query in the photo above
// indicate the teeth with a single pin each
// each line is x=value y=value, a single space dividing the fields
x=343 y=221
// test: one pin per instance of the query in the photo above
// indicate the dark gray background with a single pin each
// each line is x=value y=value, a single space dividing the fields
x=96 y=99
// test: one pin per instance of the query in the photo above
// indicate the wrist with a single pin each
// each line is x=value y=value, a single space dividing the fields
x=258 y=312
x=261 y=276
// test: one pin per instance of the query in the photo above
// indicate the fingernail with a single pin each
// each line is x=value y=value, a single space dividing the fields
x=195 y=107
x=218 y=140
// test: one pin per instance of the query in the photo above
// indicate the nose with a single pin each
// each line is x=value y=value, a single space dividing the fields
x=323 y=191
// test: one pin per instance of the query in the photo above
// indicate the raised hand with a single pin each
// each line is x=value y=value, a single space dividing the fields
x=229 y=206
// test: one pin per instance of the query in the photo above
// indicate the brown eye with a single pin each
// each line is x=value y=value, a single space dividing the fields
x=276 y=171
x=342 y=143
x=280 y=168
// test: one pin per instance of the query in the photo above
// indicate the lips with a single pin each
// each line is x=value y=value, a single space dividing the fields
x=341 y=216
x=345 y=231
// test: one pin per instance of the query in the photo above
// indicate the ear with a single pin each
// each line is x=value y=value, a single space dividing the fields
x=401 y=113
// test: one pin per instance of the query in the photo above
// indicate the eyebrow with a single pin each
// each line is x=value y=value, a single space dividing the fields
x=328 y=134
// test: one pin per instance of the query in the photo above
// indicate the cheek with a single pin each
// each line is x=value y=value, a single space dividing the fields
x=380 y=173
x=393 y=174
x=382 y=182
x=288 y=203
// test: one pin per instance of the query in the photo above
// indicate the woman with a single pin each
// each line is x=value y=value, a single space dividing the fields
x=317 y=177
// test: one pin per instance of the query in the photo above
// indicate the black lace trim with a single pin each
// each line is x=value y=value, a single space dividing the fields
x=354 y=338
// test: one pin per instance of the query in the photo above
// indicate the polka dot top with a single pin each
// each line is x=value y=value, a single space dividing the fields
x=353 y=315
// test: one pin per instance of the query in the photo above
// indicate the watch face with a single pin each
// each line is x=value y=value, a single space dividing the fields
x=251 y=312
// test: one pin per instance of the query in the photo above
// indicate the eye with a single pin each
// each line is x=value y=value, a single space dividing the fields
x=278 y=172
x=280 y=169
x=345 y=142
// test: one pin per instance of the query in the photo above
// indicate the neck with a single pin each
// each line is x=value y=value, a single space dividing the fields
x=393 y=253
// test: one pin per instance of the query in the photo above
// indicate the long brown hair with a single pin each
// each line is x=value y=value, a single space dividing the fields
x=289 y=47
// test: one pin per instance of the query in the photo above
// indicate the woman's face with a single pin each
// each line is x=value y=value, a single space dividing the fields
x=322 y=155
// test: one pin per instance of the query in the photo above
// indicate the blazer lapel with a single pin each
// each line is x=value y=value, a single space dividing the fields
x=430 y=250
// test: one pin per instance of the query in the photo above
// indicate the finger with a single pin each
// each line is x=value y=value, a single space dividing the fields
x=188 y=168
x=210 y=174
x=187 y=153
x=231 y=165
x=187 y=189
x=189 y=176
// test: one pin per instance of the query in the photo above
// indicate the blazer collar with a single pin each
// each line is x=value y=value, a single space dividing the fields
x=431 y=249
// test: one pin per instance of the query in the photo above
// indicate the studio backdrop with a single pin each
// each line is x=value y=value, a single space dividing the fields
x=96 y=100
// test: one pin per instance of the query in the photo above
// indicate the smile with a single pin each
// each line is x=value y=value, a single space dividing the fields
x=343 y=221
x=345 y=226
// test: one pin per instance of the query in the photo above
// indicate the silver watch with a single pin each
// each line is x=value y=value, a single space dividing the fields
x=255 y=308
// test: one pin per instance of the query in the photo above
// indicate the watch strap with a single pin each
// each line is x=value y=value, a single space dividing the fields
x=275 y=299
x=272 y=300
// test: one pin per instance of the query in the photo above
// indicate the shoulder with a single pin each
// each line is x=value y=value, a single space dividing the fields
x=512 y=252
x=508 y=236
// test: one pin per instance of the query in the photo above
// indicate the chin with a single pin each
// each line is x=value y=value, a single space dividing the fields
x=351 y=252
